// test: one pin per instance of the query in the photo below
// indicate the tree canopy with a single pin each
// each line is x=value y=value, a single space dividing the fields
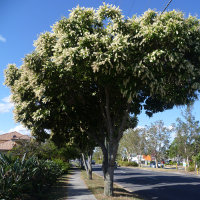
x=96 y=66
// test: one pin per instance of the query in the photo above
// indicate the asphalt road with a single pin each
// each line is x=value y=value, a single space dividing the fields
x=157 y=185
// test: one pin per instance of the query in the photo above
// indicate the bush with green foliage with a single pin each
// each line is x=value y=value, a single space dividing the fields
x=172 y=162
x=99 y=161
x=20 y=176
x=127 y=164
x=191 y=168
x=65 y=166
x=44 y=150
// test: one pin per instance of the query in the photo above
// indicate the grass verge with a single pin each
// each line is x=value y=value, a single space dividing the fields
x=96 y=185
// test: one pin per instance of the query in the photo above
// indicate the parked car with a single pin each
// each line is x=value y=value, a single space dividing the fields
x=153 y=164
x=160 y=165
x=93 y=162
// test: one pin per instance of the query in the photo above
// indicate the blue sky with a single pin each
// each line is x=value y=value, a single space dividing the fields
x=21 y=21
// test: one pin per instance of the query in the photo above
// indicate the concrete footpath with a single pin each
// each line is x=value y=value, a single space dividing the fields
x=76 y=189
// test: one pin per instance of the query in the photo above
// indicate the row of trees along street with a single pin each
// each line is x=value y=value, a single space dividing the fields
x=152 y=140
x=97 y=67
x=155 y=140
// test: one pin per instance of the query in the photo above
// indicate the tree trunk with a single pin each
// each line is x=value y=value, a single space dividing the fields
x=108 y=167
x=81 y=162
x=188 y=163
x=129 y=157
x=139 y=161
x=90 y=165
x=84 y=162
x=108 y=181
x=156 y=163
x=111 y=142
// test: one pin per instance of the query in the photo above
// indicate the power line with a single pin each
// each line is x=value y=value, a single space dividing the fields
x=166 y=7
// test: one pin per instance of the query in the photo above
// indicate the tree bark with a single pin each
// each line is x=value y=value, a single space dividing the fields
x=188 y=163
x=90 y=165
x=156 y=163
x=108 y=167
x=108 y=181
x=111 y=142
x=129 y=157
x=81 y=162
x=84 y=162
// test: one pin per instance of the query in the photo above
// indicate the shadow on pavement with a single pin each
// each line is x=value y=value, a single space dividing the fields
x=179 y=192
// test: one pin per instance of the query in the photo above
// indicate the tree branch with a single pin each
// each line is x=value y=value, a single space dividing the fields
x=104 y=115
x=126 y=113
x=107 y=107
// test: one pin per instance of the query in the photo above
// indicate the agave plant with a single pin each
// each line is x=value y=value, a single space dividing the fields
x=13 y=176
x=25 y=175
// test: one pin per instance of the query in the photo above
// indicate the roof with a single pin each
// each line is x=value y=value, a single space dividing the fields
x=13 y=135
x=147 y=157
x=6 y=146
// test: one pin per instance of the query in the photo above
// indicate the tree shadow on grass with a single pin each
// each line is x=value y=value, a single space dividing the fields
x=118 y=192
x=55 y=192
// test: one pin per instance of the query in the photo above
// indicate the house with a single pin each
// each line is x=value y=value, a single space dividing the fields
x=9 y=140
x=144 y=159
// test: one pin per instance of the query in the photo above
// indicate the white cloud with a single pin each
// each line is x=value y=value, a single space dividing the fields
x=21 y=129
x=2 y=39
x=6 y=106
x=6 y=99
x=139 y=127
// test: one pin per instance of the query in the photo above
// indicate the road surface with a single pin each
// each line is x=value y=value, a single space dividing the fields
x=157 y=185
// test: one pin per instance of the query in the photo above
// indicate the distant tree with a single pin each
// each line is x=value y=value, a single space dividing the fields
x=196 y=145
x=132 y=142
x=157 y=137
x=96 y=67
x=187 y=134
x=98 y=154
x=173 y=149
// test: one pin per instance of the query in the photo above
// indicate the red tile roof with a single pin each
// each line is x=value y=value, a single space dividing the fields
x=6 y=146
x=8 y=140
x=13 y=135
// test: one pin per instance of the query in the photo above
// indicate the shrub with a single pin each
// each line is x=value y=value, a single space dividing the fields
x=99 y=161
x=191 y=168
x=65 y=166
x=126 y=163
x=18 y=176
x=172 y=162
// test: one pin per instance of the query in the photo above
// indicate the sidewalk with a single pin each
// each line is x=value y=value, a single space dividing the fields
x=76 y=189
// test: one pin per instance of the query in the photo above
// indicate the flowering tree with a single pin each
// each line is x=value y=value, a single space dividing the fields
x=96 y=67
